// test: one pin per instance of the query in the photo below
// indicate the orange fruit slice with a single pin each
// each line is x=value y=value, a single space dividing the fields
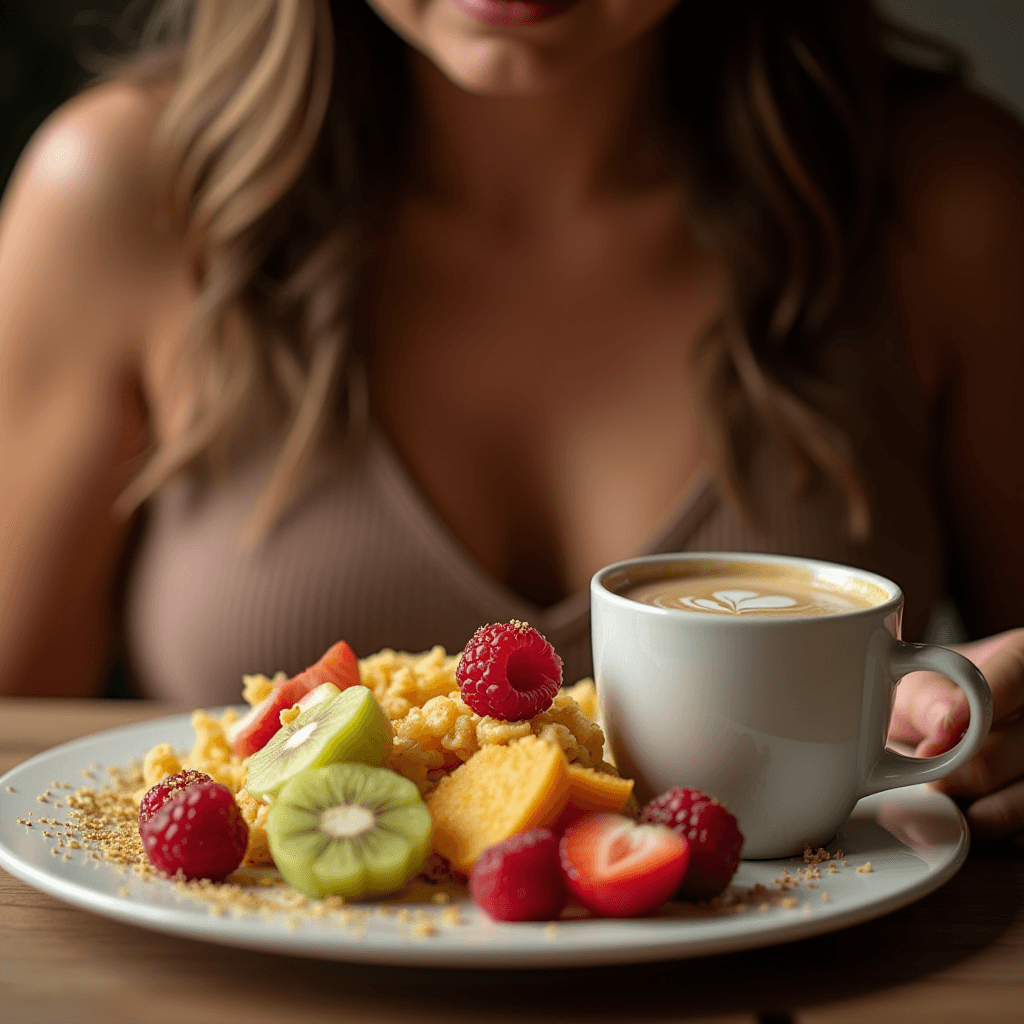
x=499 y=791
x=591 y=790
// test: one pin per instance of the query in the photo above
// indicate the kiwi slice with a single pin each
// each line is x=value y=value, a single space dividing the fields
x=346 y=727
x=349 y=830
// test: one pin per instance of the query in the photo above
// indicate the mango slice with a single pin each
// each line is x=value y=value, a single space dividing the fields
x=590 y=790
x=499 y=791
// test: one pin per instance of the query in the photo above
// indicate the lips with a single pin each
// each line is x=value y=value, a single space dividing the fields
x=513 y=13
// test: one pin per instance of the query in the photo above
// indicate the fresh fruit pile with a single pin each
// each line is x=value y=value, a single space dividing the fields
x=529 y=829
x=613 y=865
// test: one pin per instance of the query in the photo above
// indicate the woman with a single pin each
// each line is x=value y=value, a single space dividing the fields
x=390 y=331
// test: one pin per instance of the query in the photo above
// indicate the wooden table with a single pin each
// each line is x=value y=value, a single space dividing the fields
x=956 y=956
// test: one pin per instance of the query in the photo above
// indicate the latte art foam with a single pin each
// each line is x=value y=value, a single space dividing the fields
x=747 y=596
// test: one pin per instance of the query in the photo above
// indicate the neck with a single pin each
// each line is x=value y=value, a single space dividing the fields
x=542 y=156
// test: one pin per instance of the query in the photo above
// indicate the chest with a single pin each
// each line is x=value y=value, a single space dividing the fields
x=540 y=390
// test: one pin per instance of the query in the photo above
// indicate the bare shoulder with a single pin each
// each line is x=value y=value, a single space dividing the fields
x=92 y=156
x=85 y=198
x=959 y=240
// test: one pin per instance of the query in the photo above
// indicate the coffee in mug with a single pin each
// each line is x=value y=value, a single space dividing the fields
x=742 y=589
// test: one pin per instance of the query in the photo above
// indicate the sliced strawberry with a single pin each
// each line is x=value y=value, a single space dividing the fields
x=618 y=868
x=339 y=666
x=253 y=730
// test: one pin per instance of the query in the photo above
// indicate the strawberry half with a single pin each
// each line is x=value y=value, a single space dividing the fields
x=618 y=868
x=339 y=665
x=253 y=730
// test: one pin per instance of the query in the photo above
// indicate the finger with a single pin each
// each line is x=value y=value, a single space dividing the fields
x=999 y=763
x=928 y=707
x=999 y=814
x=1001 y=660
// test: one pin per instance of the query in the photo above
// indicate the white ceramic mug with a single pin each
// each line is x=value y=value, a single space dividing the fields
x=782 y=719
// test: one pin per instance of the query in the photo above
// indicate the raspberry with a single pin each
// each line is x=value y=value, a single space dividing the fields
x=198 y=831
x=520 y=879
x=714 y=837
x=156 y=797
x=509 y=671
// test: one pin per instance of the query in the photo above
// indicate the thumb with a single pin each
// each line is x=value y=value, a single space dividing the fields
x=930 y=712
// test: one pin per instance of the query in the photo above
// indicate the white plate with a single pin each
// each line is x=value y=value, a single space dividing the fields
x=914 y=838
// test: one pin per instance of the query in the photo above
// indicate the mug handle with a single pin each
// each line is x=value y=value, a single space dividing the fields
x=893 y=770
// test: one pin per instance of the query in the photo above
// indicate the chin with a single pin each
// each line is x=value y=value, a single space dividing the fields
x=500 y=67
x=519 y=60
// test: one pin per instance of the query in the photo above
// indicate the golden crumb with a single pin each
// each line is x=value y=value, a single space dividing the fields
x=451 y=916
x=551 y=931
x=865 y=868
x=256 y=688
x=789 y=902
x=288 y=715
x=432 y=737
x=423 y=929
x=10 y=789
x=815 y=856
x=440 y=897
x=825 y=898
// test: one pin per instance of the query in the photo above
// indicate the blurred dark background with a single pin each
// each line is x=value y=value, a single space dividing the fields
x=50 y=48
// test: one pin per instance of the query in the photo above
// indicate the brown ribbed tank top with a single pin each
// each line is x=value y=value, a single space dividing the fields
x=362 y=556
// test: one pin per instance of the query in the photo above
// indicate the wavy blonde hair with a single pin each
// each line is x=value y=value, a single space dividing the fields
x=787 y=161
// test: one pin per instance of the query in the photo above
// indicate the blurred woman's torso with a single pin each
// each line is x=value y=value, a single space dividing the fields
x=532 y=418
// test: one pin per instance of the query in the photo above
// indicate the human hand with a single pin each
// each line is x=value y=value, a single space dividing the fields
x=931 y=713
